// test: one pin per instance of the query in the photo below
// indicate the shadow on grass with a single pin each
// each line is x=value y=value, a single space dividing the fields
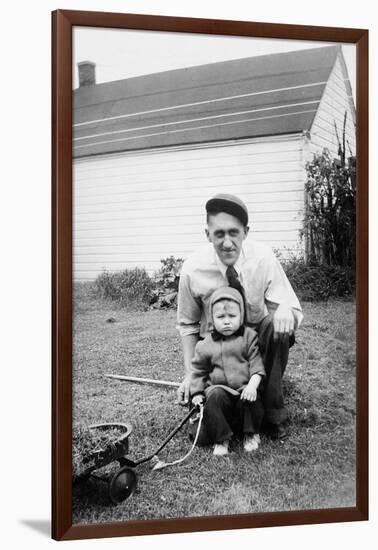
x=91 y=492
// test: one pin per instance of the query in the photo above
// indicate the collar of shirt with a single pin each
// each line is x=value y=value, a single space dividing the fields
x=237 y=265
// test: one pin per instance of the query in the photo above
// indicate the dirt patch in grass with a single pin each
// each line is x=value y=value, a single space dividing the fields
x=314 y=468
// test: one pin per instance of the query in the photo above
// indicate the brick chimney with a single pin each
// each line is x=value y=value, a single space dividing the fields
x=87 y=73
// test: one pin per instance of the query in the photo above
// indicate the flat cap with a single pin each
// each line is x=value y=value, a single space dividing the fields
x=230 y=204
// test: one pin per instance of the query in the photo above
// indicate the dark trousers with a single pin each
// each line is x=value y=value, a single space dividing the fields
x=275 y=354
x=226 y=414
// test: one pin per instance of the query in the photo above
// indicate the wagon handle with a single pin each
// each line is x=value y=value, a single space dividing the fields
x=168 y=438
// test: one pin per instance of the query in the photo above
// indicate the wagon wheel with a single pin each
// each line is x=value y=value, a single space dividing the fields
x=122 y=485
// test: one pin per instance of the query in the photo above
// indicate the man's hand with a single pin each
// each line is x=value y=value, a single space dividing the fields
x=183 y=392
x=283 y=321
x=250 y=391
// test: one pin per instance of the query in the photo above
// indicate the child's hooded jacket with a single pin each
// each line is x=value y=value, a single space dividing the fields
x=227 y=361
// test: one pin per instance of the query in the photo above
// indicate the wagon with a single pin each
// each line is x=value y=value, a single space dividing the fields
x=123 y=482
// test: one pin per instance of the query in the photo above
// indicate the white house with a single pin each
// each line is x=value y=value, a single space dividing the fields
x=150 y=150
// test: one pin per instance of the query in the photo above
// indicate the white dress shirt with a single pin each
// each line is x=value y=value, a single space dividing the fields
x=264 y=281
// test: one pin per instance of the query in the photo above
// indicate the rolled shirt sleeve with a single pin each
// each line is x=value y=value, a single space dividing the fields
x=279 y=291
x=189 y=309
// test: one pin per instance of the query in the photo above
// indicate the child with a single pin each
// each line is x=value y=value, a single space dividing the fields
x=226 y=371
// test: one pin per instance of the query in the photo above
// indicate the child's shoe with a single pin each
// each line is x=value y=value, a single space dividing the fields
x=221 y=449
x=251 y=442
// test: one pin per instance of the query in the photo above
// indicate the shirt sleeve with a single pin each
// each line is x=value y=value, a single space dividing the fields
x=188 y=308
x=279 y=291
x=200 y=370
x=256 y=365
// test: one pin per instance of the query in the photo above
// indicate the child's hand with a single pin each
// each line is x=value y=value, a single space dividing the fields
x=249 y=393
x=198 y=400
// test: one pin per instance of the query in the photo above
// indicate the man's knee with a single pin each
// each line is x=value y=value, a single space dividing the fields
x=267 y=336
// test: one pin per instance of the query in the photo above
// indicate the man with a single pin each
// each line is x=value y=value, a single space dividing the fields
x=271 y=306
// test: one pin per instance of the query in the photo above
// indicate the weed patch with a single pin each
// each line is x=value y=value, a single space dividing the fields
x=131 y=288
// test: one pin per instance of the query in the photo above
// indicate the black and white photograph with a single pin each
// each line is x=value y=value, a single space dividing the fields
x=214 y=261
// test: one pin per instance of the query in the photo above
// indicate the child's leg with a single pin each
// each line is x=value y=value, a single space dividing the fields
x=252 y=414
x=203 y=437
x=217 y=414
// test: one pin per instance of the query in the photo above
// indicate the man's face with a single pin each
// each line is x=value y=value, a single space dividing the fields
x=226 y=317
x=227 y=234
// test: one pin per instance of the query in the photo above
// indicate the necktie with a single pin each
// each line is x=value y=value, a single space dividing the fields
x=234 y=282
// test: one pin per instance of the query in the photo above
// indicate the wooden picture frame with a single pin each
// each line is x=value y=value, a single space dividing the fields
x=62 y=24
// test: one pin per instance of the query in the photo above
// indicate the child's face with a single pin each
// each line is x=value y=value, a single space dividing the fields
x=226 y=317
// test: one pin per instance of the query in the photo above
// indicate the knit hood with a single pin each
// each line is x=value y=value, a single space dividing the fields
x=227 y=293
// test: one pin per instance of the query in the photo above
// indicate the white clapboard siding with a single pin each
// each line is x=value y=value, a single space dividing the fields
x=333 y=105
x=142 y=170
x=134 y=209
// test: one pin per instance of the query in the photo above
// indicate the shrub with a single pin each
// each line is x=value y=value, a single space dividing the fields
x=329 y=222
x=318 y=282
x=130 y=287
x=167 y=282
x=329 y=227
x=169 y=274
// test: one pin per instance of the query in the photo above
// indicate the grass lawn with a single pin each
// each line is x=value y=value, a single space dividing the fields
x=314 y=468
